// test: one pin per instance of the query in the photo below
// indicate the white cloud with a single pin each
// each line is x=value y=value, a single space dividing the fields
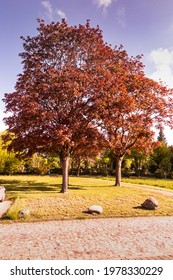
x=61 y=14
x=104 y=4
x=162 y=60
x=48 y=7
x=51 y=12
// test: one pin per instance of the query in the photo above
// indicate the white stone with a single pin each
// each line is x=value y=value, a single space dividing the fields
x=95 y=209
x=23 y=213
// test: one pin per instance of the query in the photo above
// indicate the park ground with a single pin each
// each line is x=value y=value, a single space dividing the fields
x=41 y=195
x=64 y=232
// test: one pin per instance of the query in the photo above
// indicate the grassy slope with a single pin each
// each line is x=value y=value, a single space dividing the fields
x=41 y=195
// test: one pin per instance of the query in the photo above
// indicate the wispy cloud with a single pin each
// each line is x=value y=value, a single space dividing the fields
x=48 y=7
x=162 y=60
x=104 y=4
x=121 y=16
x=61 y=14
x=51 y=12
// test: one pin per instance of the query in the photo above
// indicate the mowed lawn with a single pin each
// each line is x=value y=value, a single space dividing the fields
x=41 y=195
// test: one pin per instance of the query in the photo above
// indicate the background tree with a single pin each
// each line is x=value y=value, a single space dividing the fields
x=42 y=164
x=160 y=160
x=165 y=166
x=9 y=163
x=140 y=161
x=132 y=107
x=161 y=137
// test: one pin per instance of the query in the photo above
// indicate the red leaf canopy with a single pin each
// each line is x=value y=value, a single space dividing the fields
x=53 y=106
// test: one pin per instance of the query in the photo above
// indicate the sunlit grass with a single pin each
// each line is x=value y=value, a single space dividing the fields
x=41 y=195
x=162 y=183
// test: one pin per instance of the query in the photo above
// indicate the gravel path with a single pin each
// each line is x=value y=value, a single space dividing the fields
x=94 y=239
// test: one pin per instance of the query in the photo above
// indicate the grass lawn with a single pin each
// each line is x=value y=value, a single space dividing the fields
x=41 y=195
x=162 y=183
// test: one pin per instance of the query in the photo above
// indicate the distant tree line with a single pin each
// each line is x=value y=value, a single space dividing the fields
x=158 y=163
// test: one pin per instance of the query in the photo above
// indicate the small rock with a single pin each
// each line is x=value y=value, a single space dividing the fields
x=95 y=209
x=2 y=193
x=23 y=213
x=150 y=203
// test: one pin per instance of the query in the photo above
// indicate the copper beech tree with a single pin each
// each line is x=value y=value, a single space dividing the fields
x=77 y=90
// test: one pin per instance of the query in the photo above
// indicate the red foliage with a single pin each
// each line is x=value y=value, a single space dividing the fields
x=132 y=104
x=132 y=107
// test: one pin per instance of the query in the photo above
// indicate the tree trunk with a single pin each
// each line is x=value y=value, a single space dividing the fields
x=78 y=168
x=119 y=160
x=65 y=174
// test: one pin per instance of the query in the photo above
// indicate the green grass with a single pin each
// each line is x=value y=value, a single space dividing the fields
x=41 y=195
x=161 y=183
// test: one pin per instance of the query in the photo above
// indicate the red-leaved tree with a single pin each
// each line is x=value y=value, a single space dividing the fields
x=53 y=106
x=132 y=107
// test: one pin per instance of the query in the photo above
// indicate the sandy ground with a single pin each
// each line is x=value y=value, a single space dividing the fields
x=94 y=239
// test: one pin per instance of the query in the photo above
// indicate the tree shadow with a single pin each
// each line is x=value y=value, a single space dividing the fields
x=9 y=182
x=90 y=186
x=76 y=188
x=28 y=186
x=22 y=186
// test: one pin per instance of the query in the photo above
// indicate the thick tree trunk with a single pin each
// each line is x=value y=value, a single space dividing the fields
x=119 y=160
x=65 y=174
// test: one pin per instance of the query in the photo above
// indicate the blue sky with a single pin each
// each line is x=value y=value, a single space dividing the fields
x=142 y=26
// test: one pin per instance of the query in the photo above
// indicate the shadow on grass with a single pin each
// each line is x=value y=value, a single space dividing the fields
x=138 y=207
x=142 y=208
x=12 y=186
x=28 y=186
x=32 y=188
x=90 y=186
x=6 y=218
x=11 y=182
x=81 y=188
